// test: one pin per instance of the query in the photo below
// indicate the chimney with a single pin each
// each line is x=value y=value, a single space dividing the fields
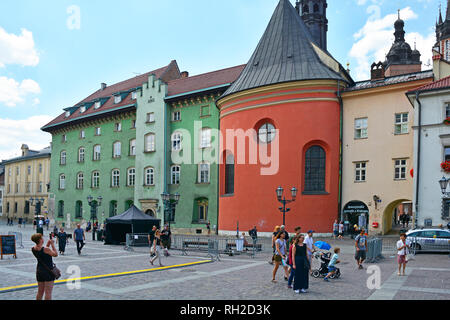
x=377 y=71
x=103 y=86
x=184 y=74
x=25 y=150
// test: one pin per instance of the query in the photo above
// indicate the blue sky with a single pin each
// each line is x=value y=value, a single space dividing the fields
x=50 y=59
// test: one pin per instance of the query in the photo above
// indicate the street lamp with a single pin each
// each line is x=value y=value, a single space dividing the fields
x=443 y=183
x=37 y=203
x=279 y=191
x=94 y=204
x=170 y=201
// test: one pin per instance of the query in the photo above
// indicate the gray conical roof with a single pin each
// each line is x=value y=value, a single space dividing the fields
x=284 y=54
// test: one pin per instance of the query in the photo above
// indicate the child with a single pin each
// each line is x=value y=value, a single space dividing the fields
x=331 y=266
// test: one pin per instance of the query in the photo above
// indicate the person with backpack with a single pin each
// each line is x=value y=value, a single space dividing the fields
x=361 y=248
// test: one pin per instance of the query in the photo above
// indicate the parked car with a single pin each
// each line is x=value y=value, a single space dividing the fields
x=429 y=240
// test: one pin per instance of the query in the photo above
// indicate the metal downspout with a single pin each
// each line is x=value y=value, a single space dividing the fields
x=418 y=158
x=341 y=137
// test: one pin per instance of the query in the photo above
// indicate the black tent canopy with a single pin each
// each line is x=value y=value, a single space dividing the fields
x=131 y=221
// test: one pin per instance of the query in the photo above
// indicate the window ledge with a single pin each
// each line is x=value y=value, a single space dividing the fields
x=149 y=151
x=228 y=195
x=315 y=193
x=360 y=181
x=203 y=183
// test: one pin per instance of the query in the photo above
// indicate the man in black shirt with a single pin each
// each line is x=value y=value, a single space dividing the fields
x=253 y=233
x=165 y=239
x=151 y=237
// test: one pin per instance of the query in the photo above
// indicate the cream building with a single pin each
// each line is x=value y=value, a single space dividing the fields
x=26 y=177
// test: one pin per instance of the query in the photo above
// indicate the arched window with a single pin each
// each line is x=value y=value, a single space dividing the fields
x=305 y=9
x=95 y=179
x=62 y=182
x=80 y=180
x=62 y=158
x=175 y=172
x=149 y=142
x=315 y=161
x=97 y=152
x=81 y=153
x=117 y=149
x=115 y=178
x=266 y=133
x=60 y=209
x=131 y=177
x=149 y=176
x=79 y=209
x=316 y=8
x=133 y=147
x=176 y=141
x=229 y=174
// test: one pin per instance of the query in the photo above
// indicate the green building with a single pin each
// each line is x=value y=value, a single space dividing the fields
x=130 y=142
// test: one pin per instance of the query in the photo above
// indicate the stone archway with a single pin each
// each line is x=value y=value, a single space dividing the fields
x=388 y=214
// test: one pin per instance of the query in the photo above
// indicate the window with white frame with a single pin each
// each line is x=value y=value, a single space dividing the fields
x=205 y=138
x=117 y=148
x=133 y=124
x=176 y=116
x=149 y=176
x=149 y=145
x=29 y=170
x=150 y=117
x=117 y=99
x=131 y=177
x=175 y=172
x=62 y=182
x=133 y=147
x=98 y=131
x=81 y=153
x=360 y=171
x=115 y=178
x=118 y=126
x=447 y=153
x=203 y=172
x=64 y=138
x=400 y=167
x=266 y=133
x=97 y=105
x=361 y=128
x=401 y=123
x=97 y=152
x=62 y=158
x=176 y=141
x=80 y=180
x=82 y=109
x=82 y=134
x=133 y=95
x=95 y=179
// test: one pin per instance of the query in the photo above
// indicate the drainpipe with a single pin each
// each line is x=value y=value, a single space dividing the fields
x=418 y=158
x=341 y=135
x=218 y=155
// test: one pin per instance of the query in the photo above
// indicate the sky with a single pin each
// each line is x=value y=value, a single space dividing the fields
x=54 y=53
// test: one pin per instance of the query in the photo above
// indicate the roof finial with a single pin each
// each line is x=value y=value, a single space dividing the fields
x=398 y=14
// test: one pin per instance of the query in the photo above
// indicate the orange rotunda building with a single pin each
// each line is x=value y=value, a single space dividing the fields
x=281 y=126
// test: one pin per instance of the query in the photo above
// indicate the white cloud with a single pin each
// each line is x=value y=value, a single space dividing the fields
x=17 y=49
x=374 y=40
x=13 y=92
x=14 y=133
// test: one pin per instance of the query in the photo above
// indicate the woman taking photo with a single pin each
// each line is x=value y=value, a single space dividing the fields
x=280 y=255
x=156 y=248
x=44 y=274
x=301 y=265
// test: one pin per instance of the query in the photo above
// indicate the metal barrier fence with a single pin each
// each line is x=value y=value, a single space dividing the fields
x=18 y=236
x=374 y=250
x=136 y=240
x=418 y=245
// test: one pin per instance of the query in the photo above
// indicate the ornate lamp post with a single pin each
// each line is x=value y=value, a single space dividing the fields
x=170 y=201
x=443 y=183
x=284 y=201
x=37 y=203
x=94 y=204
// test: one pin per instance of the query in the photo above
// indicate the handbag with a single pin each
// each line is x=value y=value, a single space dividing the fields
x=54 y=270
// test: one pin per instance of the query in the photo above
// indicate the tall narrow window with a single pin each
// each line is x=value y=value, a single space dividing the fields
x=176 y=141
x=400 y=169
x=149 y=142
x=95 y=179
x=117 y=148
x=62 y=182
x=115 y=178
x=205 y=139
x=62 y=158
x=175 y=172
x=40 y=167
x=131 y=177
x=80 y=180
x=133 y=147
x=315 y=162
x=361 y=128
x=360 y=171
x=229 y=174
x=61 y=209
x=113 y=208
x=203 y=172
x=150 y=117
x=82 y=134
x=79 y=209
x=81 y=153
x=176 y=116
x=149 y=176
x=97 y=152
x=118 y=126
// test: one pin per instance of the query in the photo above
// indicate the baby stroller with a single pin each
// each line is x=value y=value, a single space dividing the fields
x=325 y=258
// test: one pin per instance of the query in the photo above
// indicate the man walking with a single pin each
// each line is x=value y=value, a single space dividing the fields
x=309 y=242
x=165 y=239
x=151 y=237
x=361 y=247
x=78 y=235
x=253 y=233
x=94 y=230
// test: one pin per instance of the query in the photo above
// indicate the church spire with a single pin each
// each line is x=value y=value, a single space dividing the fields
x=314 y=15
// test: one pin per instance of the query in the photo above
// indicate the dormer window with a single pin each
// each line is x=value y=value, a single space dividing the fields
x=133 y=95
x=97 y=105
x=117 y=99
x=67 y=114
x=82 y=109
